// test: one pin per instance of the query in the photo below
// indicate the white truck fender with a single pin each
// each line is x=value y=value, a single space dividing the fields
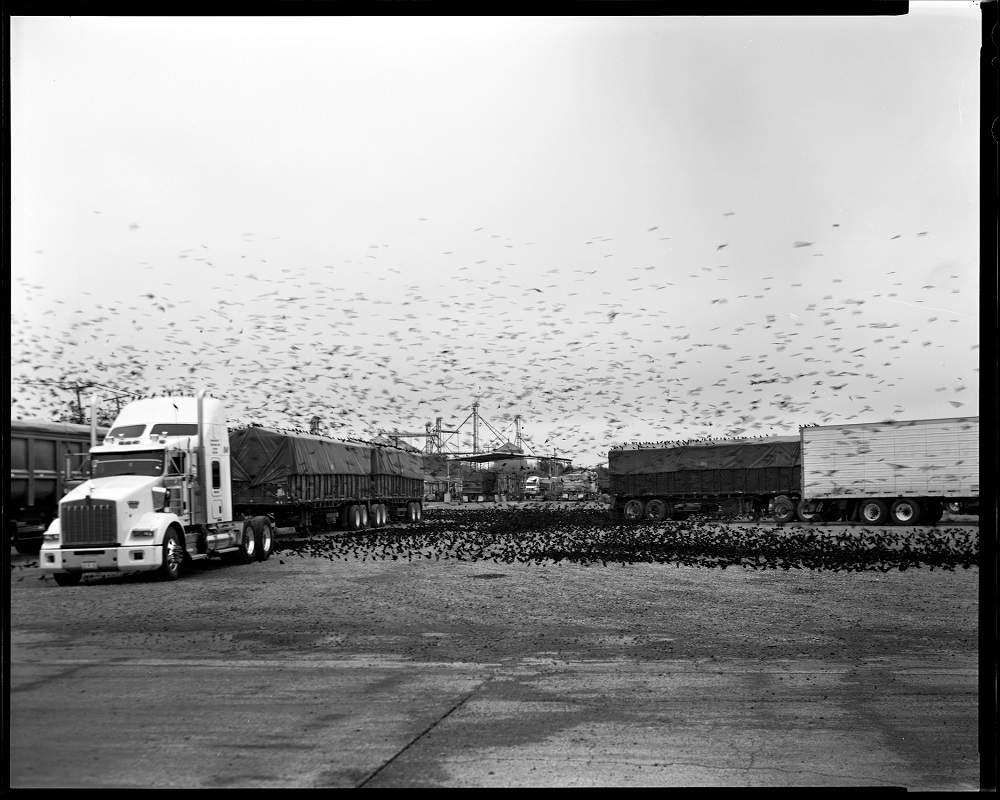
x=152 y=527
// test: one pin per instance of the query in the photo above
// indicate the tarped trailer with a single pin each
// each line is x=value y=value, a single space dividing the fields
x=292 y=475
x=648 y=482
x=280 y=468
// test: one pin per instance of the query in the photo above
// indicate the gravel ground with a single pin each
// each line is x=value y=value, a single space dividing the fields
x=473 y=584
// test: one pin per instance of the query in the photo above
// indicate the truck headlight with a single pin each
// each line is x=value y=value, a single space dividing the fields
x=140 y=533
x=50 y=537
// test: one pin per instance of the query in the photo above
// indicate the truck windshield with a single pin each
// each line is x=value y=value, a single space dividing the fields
x=127 y=431
x=137 y=462
x=175 y=429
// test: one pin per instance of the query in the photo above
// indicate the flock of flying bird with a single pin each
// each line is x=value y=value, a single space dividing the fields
x=583 y=362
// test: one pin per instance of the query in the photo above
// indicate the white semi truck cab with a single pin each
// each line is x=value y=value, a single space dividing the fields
x=158 y=495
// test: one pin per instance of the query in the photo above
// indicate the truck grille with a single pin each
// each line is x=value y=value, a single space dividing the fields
x=90 y=523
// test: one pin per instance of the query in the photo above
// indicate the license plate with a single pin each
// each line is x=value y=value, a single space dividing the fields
x=90 y=565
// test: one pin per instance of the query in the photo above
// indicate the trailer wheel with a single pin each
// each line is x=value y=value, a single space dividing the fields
x=874 y=512
x=418 y=509
x=784 y=510
x=365 y=517
x=809 y=510
x=173 y=556
x=933 y=511
x=905 y=511
x=657 y=510
x=264 y=534
x=352 y=519
x=633 y=510
x=67 y=578
x=411 y=511
x=248 y=544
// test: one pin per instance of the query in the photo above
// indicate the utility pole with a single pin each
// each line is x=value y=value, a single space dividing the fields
x=475 y=428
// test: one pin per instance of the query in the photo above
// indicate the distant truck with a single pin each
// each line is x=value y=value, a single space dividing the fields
x=172 y=484
x=576 y=486
x=904 y=473
x=537 y=487
x=478 y=485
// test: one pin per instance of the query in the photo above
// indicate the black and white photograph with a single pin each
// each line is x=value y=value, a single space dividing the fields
x=419 y=400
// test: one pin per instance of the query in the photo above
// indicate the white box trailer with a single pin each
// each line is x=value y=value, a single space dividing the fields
x=903 y=472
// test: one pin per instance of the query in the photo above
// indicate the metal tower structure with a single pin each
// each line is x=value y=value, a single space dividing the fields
x=436 y=441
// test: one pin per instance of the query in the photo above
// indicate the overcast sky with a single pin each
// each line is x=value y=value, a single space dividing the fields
x=621 y=229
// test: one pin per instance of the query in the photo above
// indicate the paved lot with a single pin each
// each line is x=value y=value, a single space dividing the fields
x=321 y=672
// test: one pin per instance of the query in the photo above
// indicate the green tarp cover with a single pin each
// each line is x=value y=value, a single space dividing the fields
x=776 y=451
x=390 y=461
x=262 y=455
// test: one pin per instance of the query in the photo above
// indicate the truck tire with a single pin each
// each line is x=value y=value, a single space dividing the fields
x=657 y=510
x=248 y=544
x=873 y=512
x=67 y=578
x=173 y=556
x=365 y=518
x=905 y=511
x=411 y=512
x=354 y=518
x=419 y=510
x=784 y=510
x=264 y=534
x=809 y=511
x=634 y=510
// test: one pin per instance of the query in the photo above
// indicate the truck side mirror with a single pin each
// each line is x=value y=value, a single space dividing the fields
x=161 y=496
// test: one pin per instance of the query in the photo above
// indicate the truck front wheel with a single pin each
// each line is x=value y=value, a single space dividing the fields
x=67 y=578
x=173 y=556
